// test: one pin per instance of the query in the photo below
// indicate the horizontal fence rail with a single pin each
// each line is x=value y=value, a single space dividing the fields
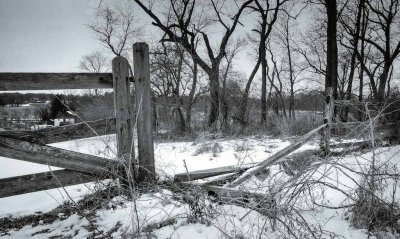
x=43 y=181
x=54 y=81
x=31 y=145
x=63 y=133
x=48 y=155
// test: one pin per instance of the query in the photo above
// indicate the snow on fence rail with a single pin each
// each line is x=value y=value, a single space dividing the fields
x=80 y=168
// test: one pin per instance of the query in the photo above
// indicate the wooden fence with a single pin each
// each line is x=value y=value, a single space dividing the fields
x=31 y=145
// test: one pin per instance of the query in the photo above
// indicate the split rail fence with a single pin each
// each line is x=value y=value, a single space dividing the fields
x=32 y=145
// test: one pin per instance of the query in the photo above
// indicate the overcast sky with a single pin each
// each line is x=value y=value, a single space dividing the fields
x=45 y=35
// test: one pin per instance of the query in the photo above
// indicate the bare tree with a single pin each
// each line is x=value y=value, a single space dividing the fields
x=286 y=36
x=95 y=62
x=179 y=25
x=350 y=38
x=385 y=39
x=175 y=76
x=115 y=25
x=227 y=75
x=268 y=14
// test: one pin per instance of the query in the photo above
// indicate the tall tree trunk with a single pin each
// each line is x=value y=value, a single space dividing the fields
x=180 y=120
x=245 y=97
x=383 y=78
x=190 y=102
x=353 y=57
x=331 y=74
x=154 y=110
x=262 y=55
x=291 y=77
x=214 y=97
x=332 y=50
x=362 y=65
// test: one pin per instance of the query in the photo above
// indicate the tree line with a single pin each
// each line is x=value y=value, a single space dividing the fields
x=293 y=47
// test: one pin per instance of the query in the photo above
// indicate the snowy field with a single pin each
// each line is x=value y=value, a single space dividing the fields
x=228 y=221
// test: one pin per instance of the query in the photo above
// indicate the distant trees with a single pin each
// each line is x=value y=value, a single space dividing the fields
x=115 y=25
x=44 y=114
x=95 y=62
x=56 y=106
x=353 y=46
x=266 y=14
x=176 y=76
x=188 y=24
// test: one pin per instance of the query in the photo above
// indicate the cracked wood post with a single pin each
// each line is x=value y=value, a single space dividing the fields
x=125 y=149
x=143 y=111
x=328 y=114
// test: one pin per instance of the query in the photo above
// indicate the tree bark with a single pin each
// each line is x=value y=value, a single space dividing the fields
x=191 y=97
x=332 y=51
x=214 y=97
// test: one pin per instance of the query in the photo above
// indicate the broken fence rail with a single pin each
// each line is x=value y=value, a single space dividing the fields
x=275 y=158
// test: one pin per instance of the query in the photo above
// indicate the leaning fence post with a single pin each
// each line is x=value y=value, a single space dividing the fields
x=143 y=111
x=328 y=114
x=125 y=149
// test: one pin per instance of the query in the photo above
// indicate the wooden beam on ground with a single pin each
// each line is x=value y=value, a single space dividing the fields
x=48 y=155
x=276 y=158
x=257 y=201
x=364 y=143
x=63 y=133
x=42 y=181
x=200 y=174
x=54 y=81
x=221 y=179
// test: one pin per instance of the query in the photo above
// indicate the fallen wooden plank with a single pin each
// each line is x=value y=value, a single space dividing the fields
x=200 y=174
x=63 y=133
x=48 y=155
x=235 y=194
x=276 y=157
x=260 y=202
x=12 y=81
x=218 y=180
x=42 y=181
x=364 y=143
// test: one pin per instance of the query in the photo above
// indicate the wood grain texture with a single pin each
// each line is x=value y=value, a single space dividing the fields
x=63 y=133
x=48 y=155
x=123 y=114
x=43 y=181
x=200 y=174
x=54 y=81
x=144 y=112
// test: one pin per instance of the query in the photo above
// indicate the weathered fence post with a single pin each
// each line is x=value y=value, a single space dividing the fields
x=328 y=114
x=143 y=111
x=125 y=149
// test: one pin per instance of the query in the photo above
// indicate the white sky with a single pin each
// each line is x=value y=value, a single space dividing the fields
x=45 y=35
x=52 y=36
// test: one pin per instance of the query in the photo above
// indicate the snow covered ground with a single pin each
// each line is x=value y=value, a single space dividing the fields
x=223 y=221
